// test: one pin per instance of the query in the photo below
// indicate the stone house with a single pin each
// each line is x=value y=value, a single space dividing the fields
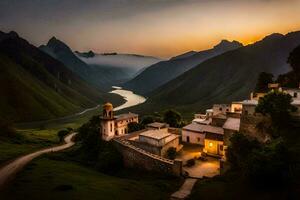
x=156 y=141
x=112 y=126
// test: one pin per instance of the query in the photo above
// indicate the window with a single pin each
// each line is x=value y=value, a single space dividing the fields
x=295 y=94
x=198 y=139
x=220 y=109
x=221 y=148
x=110 y=127
x=227 y=110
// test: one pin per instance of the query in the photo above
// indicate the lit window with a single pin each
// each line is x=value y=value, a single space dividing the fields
x=210 y=144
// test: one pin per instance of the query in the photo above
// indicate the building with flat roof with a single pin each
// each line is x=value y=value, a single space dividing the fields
x=157 y=125
x=156 y=141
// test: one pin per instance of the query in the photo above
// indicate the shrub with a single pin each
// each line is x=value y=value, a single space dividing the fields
x=62 y=133
x=134 y=126
x=190 y=162
x=171 y=153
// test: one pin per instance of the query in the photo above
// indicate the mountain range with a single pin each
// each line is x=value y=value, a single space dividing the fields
x=100 y=70
x=160 y=73
x=35 y=86
x=228 y=77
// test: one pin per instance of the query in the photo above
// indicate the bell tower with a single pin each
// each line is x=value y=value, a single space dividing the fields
x=107 y=129
x=108 y=112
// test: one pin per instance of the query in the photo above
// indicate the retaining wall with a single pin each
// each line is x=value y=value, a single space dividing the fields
x=134 y=157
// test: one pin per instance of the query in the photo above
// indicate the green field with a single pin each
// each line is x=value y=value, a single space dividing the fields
x=28 y=141
x=51 y=179
x=233 y=187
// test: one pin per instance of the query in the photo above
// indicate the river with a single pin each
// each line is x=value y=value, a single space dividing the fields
x=131 y=98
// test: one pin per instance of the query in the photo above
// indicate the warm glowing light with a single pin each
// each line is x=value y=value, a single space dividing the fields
x=210 y=144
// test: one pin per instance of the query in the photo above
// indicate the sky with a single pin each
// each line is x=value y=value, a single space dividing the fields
x=162 y=28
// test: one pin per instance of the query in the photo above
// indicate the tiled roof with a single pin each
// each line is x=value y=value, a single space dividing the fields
x=232 y=124
x=204 y=128
x=155 y=134
x=125 y=116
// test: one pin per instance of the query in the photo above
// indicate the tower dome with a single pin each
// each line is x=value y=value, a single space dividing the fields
x=108 y=106
x=108 y=111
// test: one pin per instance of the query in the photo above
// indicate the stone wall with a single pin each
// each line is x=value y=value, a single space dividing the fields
x=134 y=157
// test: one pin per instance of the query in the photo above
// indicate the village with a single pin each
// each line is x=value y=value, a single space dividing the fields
x=199 y=147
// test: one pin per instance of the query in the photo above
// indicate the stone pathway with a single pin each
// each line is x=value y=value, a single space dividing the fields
x=185 y=189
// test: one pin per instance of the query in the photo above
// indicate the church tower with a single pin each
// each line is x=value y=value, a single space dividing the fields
x=107 y=129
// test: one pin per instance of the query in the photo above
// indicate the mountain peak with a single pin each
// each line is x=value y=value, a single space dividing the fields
x=227 y=45
x=88 y=54
x=57 y=45
x=273 y=36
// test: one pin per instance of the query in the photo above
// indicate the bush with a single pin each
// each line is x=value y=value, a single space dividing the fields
x=134 y=126
x=190 y=162
x=95 y=152
x=173 y=118
x=62 y=133
x=171 y=153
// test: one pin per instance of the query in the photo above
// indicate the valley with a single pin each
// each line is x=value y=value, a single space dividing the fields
x=151 y=109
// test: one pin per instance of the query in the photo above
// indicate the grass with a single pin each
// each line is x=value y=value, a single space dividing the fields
x=53 y=179
x=27 y=141
x=221 y=188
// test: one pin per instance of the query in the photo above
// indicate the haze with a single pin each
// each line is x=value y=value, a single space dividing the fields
x=150 y=27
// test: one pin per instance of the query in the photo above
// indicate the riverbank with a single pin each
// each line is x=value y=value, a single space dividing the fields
x=131 y=99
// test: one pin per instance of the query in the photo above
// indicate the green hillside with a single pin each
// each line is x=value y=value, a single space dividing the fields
x=35 y=86
x=224 y=78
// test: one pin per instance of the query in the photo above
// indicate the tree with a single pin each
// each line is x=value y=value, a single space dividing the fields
x=134 y=126
x=62 y=133
x=294 y=60
x=171 y=153
x=173 y=118
x=147 y=120
x=240 y=149
x=278 y=106
x=263 y=80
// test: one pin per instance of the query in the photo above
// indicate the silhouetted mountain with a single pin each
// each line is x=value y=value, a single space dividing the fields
x=63 y=53
x=164 y=71
x=184 y=55
x=35 y=86
x=228 y=77
x=88 y=54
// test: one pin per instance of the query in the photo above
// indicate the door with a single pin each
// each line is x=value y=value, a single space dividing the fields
x=188 y=139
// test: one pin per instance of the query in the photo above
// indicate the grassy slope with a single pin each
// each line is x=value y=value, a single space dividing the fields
x=35 y=86
x=30 y=140
x=43 y=177
x=220 y=189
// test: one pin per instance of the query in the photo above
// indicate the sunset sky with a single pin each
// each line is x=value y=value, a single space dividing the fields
x=160 y=28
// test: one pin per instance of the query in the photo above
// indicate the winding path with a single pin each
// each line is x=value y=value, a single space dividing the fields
x=9 y=171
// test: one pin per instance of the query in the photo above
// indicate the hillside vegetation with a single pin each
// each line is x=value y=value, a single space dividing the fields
x=224 y=78
x=35 y=86
x=164 y=71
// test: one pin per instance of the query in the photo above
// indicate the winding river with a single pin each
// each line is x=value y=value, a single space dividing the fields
x=131 y=98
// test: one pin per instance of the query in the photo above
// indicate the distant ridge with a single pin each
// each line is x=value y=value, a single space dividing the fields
x=228 y=77
x=164 y=71
x=35 y=86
